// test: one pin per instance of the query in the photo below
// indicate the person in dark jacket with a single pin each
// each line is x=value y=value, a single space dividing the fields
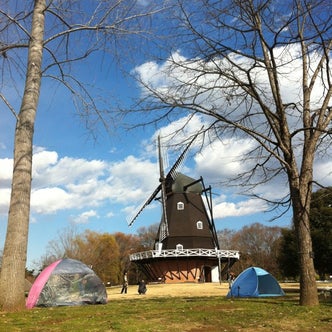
x=142 y=287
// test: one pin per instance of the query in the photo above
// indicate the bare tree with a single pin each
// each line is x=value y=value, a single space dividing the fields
x=225 y=237
x=64 y=245
x=44 y=39
x=258 y=245
x=147 y=236
x=236 y=57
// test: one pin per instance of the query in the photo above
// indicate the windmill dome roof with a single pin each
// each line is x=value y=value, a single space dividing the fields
x=182 y=180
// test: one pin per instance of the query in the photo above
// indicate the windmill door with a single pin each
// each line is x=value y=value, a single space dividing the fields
x=206 y=274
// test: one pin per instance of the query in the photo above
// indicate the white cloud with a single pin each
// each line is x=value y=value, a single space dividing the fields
x=6 y=166
x=110 y=215
x=242 y=208
x=182 y=83
x=66 y=183
x=184 y=128
x=85 y=217
x=50 y=200
x=323 y=172
x=50 y=170
x=43 y=158
x=223 y=159
x=4 y=200
x=132 y=179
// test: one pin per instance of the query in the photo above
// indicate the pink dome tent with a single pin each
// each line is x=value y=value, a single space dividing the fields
x=66 y=282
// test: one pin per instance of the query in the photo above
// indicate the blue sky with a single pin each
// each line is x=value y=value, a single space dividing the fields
x=98 y=183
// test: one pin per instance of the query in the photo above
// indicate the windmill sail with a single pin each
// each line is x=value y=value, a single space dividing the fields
x=163 y=233
x=173 y=171
x=163 y=179
x=149 y=200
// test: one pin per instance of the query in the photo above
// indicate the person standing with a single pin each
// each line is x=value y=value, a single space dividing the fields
x=124 y=283
x=231 y=278
x=142 y=287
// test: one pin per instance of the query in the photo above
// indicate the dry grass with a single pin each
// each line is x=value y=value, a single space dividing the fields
x=171 y=290
x=194 y=290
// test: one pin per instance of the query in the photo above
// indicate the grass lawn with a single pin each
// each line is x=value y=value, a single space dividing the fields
x=183 y=313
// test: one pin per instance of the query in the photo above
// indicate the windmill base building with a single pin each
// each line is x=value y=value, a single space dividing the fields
x=185 y=265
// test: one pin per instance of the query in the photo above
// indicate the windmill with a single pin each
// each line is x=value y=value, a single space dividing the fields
x=186 y=245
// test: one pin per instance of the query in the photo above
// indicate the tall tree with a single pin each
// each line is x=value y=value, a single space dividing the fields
x=15 y=250
x=321 y=230
x=57 y=34
x=260 y=70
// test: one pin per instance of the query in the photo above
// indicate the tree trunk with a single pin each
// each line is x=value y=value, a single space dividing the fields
x=308 y=287
x=301 y=209
x=15 y=251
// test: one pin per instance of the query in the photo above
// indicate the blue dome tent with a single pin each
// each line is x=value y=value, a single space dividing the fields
x=255 y=282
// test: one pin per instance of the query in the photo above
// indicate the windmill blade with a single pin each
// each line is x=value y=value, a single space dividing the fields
x=160 y=187
x=208 y=200
x=161 y=162
x=151 y=198
x=173 y=171
x=163 y=233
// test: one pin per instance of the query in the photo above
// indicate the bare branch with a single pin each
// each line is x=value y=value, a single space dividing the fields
x=8 y=105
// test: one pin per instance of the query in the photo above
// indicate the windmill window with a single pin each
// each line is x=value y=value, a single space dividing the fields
x=180 y=206
x=179 y=247
x=199 y=225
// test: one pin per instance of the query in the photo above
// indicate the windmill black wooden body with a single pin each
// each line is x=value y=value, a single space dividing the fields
x=186 y=246
x=188 y=222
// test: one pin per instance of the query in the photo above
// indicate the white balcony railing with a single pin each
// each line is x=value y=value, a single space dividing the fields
x=185 y=253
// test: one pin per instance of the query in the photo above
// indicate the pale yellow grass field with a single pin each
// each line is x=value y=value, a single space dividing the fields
x=179 y=290
x=171 y=290
x=188 y=290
